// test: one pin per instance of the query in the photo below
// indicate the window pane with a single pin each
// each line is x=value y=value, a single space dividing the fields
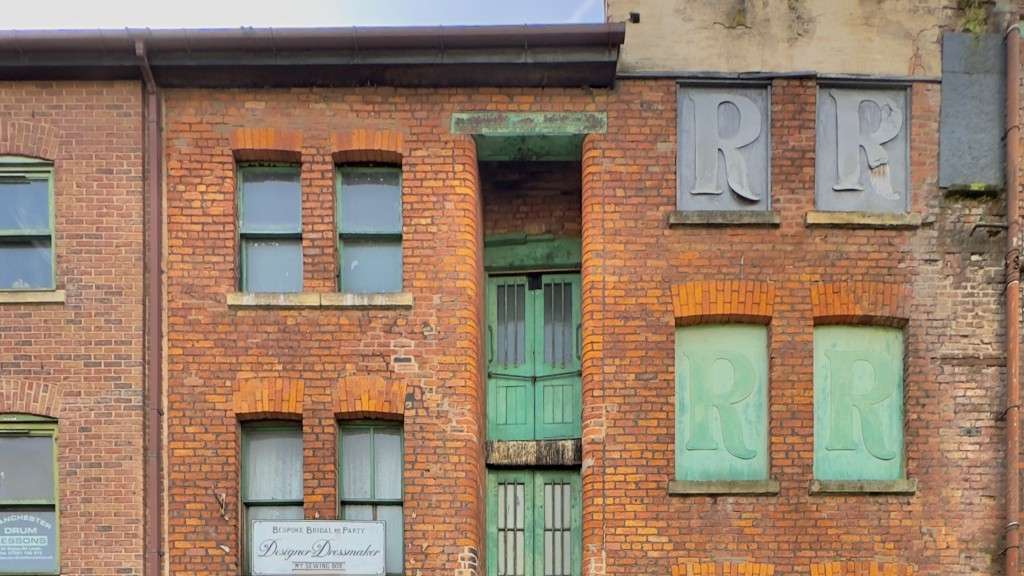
x=24 y=204
x=273 y=464
x=392 y=517
x=273 y=266
x=371 y=200
x=271 y=200
x=26 y=265
x=387 y=443
x=38 y=558
x=371 y=266
x=357 y=512
x=356 y=464
x=274 y=513
x=26 y=468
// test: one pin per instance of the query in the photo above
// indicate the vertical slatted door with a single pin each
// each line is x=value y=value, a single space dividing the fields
x=557 y=523
x=556 y=334
x=510 y=516
x=510 y=359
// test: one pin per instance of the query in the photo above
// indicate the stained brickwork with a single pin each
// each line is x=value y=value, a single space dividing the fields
x=80 y=361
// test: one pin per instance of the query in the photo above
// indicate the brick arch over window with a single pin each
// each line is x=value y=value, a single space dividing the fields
x=262 y=398
x=36 y=398
x=713 y=301
x=861 y=568
x=18 y=138
x=871 y=303
x=369 y=396
x=363 y=145
x=266 y=145
x=723 y=569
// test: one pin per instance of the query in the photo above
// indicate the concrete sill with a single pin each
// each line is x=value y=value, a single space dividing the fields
x=317 y=300
x=722 y=487
x=863 y=220
x=905 y=486
x=722 y=218
x=33 y=297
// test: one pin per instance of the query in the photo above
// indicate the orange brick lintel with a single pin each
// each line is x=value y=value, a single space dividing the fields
x=872 y=303
x=366 y=145
x=266 y=145
x=709 y=301
x=268 y=398
x=861 y=568
x=723 y=569
x=361 y=396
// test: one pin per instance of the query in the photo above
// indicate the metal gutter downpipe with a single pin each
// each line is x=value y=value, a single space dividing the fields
x=1012 y=264
x=153 y=317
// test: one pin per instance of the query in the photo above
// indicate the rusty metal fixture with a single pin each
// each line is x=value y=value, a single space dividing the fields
x=1012 y=262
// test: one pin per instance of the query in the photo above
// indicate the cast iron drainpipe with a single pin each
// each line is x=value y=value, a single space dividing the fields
x=153 y=546
x=1012 y=264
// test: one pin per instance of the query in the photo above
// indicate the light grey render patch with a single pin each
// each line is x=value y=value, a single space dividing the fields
x=862 y=153
x=972 y=120
x=722 y=161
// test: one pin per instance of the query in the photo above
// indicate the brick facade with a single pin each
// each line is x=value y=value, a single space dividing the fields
x=80 y=361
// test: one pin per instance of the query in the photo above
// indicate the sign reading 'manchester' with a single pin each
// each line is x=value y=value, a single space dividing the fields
x=343 y=548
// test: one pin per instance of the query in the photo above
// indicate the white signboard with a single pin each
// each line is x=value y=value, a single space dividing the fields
x=338 y=548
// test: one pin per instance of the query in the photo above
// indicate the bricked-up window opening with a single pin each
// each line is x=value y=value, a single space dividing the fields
x=369 y=217
x=271 y=474
x=533 y=523
x=533 y=376
x=26 y=224
x=29 y=519
x=370 y=477
x=270 y=228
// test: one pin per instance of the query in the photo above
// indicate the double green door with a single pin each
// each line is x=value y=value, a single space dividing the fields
x=533 y=359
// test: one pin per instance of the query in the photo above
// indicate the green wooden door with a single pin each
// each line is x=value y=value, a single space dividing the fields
x=533 y=343
x=533 y=523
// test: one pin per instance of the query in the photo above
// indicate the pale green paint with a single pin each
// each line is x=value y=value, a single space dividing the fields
x=533 y=399
x=722 y=402
x=858 y=403
x=529 y=148
x=515 y=252
x=529 y=123
x=32 y=425
x=33 y=169
x=534 y=516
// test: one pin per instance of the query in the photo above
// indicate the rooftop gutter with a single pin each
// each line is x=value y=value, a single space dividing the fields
x=528 y=55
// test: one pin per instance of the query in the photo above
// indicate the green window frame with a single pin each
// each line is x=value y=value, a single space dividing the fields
x=363 y=491
x=261 y=236
x=533 y=523
x=533 y=357
x=16 y=428
x=858 y=403
x=370 y=243
x=261 y=465
x=32 y=241
x=722 y=402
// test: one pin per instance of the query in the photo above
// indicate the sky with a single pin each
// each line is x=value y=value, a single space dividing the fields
x=64 y=14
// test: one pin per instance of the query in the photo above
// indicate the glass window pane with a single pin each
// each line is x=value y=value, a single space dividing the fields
x=26 y=265
x=273 y=266
x=271 y=200
x=273 y=464
x=392 y=517
x=274 y=513
x=371 y=266
x=371 y=200
x=357 y=512
x=26 y=468
x=387 y=444
x=38 y=558
x=24 y=204
x=356 y=464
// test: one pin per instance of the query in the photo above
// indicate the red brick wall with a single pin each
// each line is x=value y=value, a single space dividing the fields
x=81 y=361
x=951 y=278
x=531 y=198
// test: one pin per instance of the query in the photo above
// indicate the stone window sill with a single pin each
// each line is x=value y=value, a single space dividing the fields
x=722 y=487
x=863 y=220
x=33 y=297
x=318 y=300
x=722 y=218
x=903 y=486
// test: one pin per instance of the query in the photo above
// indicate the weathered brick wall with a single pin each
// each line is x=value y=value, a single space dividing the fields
x=531 y=198
x=81 y=361
x=950 y=274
